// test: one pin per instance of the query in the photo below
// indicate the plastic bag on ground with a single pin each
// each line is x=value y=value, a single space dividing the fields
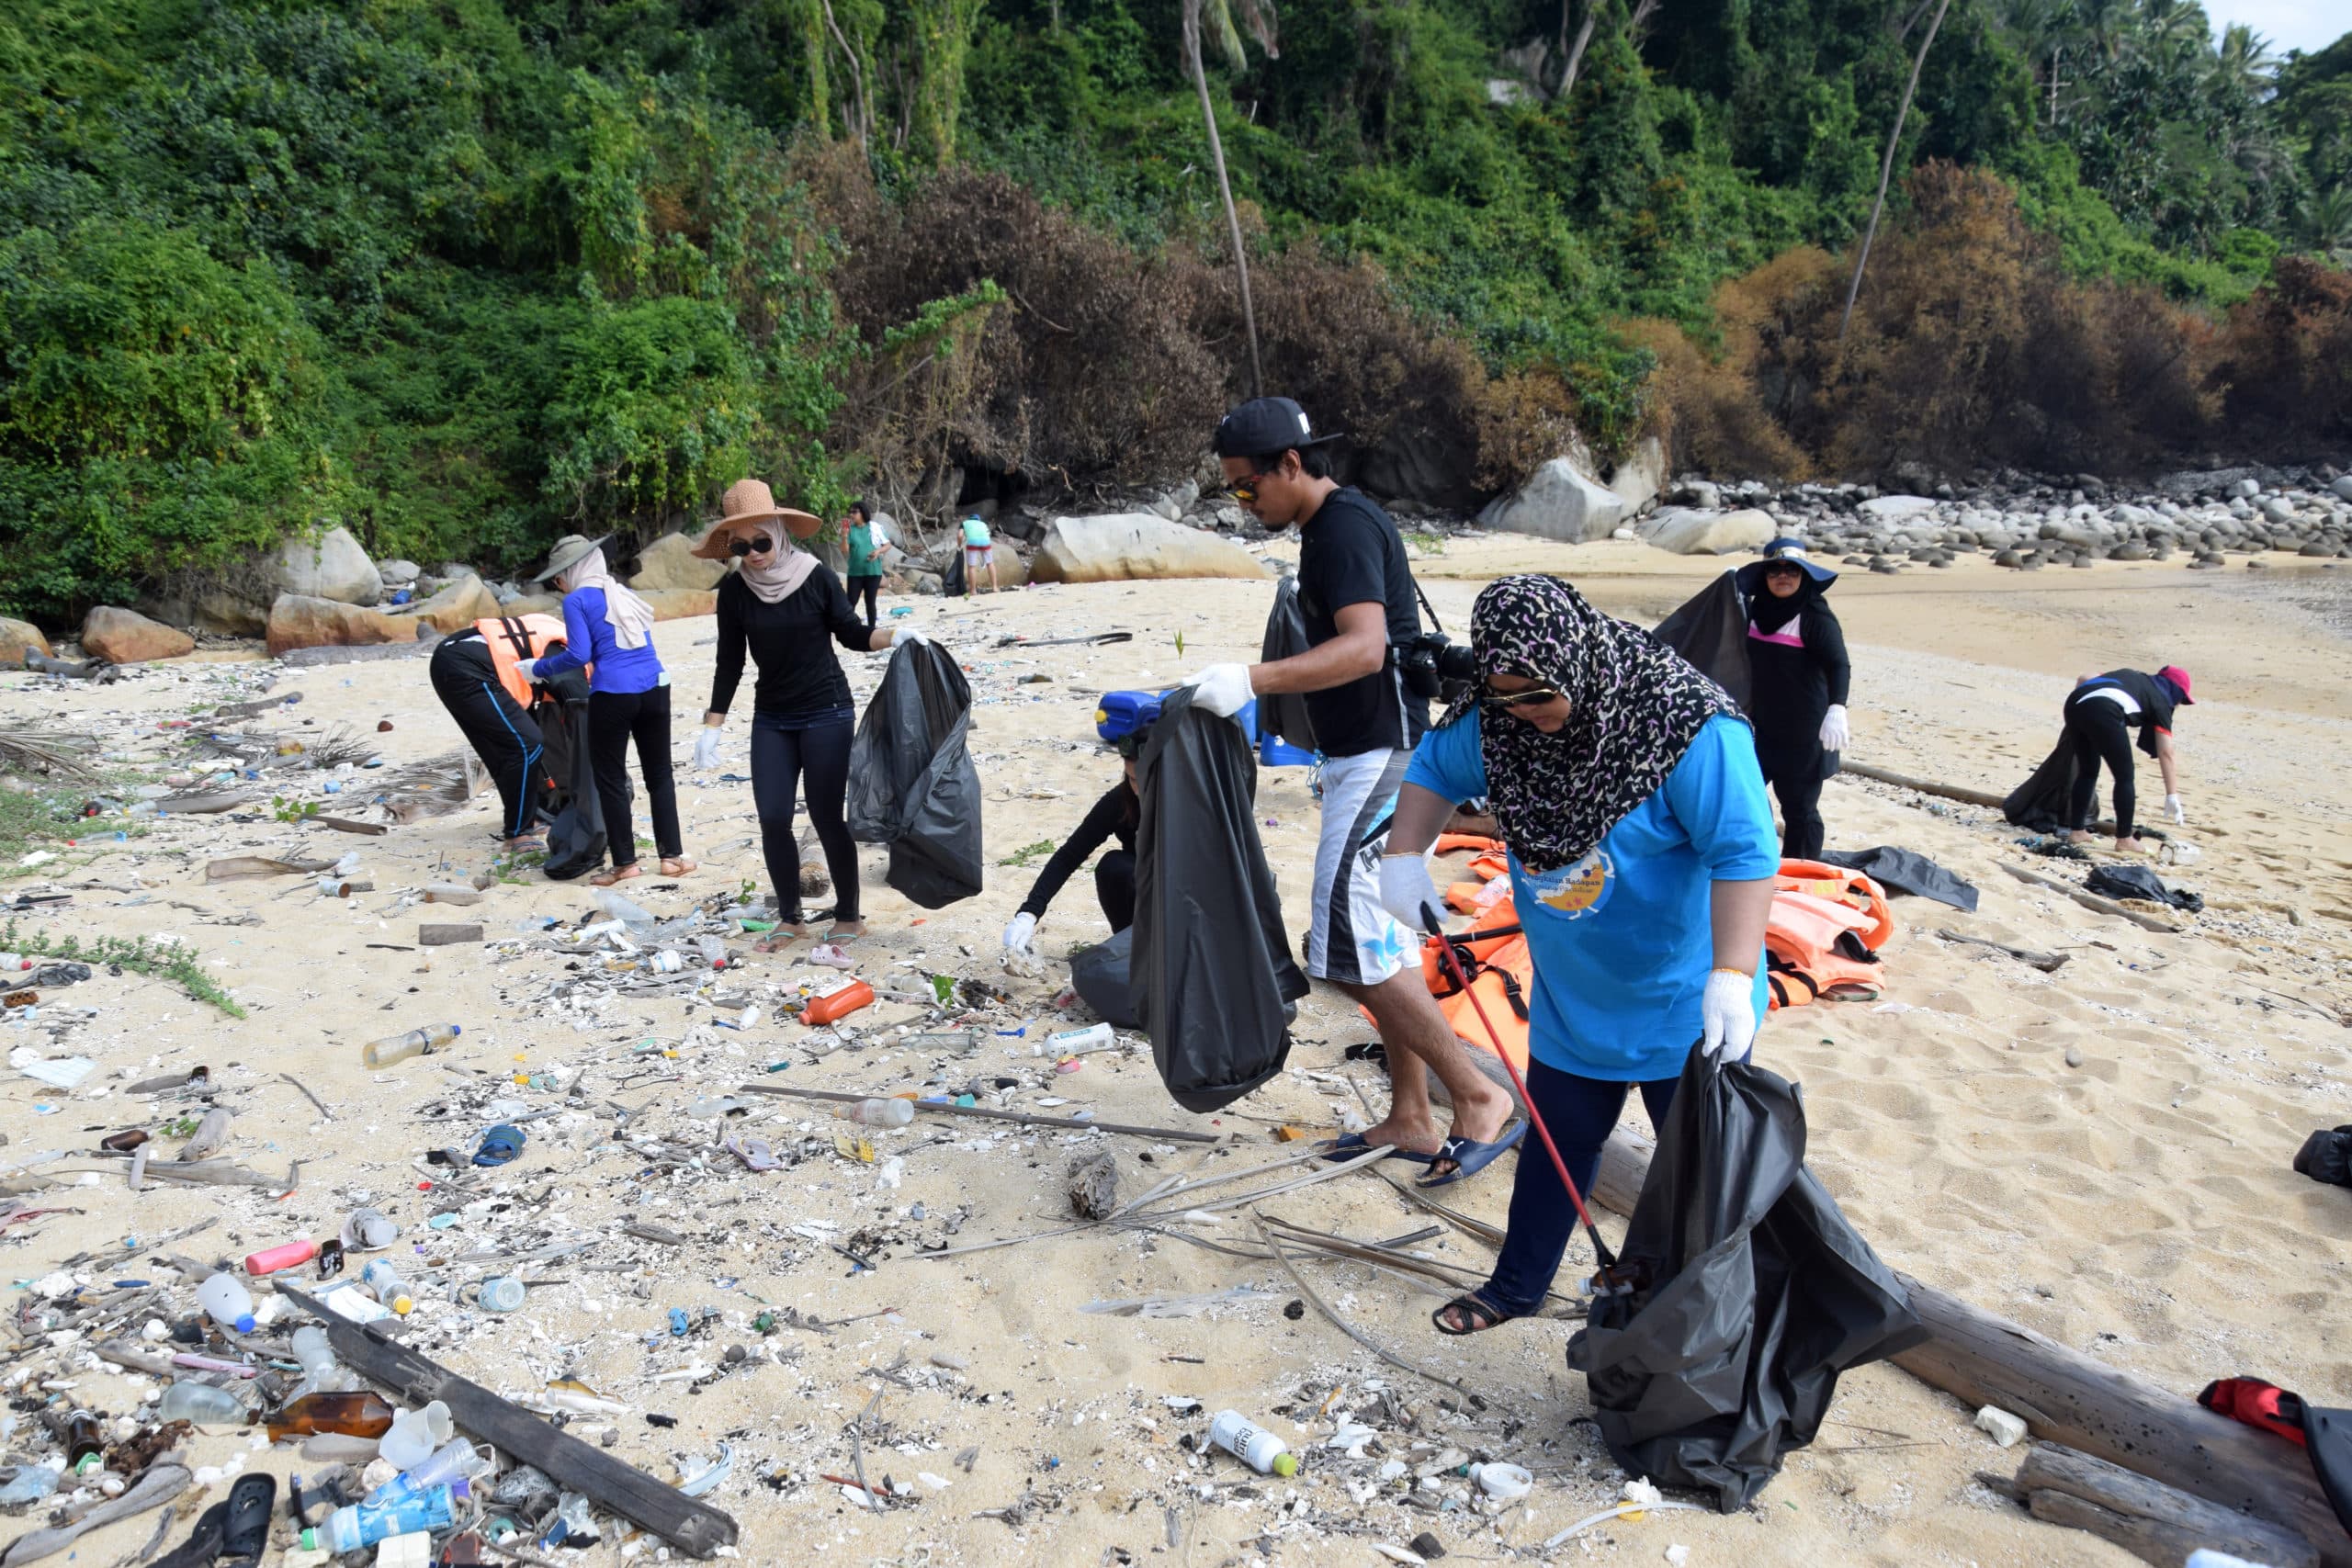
x=1759 y=1294
x=1212 y=971
x=911 y=782
x=2139 y=882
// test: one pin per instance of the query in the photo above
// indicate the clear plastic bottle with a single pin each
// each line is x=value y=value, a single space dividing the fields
x=202 y=1404
x=321 y=1372
x=381 y=1277
x=879 y=1112
x=636 y=917
x=227 y=1302
x=362 y=1525
x=503 y=1294
x=1253 y=1446
x=400 y=1047
x=458 y=1459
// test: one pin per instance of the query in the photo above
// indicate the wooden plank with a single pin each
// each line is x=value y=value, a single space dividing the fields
x=346 y=825
x=445 y=935
x=1024 y=1117
x=2065 y=1397
x=1925 y=786
x=694 y=1528
x=2157 y=1523
x=2091 y=900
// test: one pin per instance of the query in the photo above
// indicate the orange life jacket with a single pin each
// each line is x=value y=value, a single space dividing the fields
x=1823 y=933
x=514 y=638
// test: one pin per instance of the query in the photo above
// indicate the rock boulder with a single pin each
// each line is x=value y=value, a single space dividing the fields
x=298 y=620
x=1893 y=509
x=457 y=607
x=1123 y=546
x=668 y=562
x=1558 y=503
x=126 y=636
x=331 y=566
x=1688 y=532
x=1641 y=476
x=17 y=636
x=679 y=604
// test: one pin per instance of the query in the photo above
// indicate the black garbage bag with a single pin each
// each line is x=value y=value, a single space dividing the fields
x=2327 y=1156
x=1286 y=714
x=1212 y=971
x=1905 y=871
x=575 y=814
x=2045 y=800
x=1710 y=631
x=912 y=784
x=2139 y=882
x=1759 y=1294
x=1102 y=978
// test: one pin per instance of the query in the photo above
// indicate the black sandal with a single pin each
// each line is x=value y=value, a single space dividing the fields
x=1473 y=1307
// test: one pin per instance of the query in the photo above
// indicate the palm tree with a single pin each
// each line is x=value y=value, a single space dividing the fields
x=2242 y=66
x=1258 y=17
x=2327 y=224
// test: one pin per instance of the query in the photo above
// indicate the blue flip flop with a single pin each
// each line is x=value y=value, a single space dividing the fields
x=1470 y=1157
x=1347 y=1145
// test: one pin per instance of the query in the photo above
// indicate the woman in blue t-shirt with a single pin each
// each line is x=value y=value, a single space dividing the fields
x=1642 y=855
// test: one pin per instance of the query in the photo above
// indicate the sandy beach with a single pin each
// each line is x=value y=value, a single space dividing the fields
x=2099 y=1153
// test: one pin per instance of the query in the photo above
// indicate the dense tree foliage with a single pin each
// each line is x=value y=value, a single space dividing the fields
x=463 y=273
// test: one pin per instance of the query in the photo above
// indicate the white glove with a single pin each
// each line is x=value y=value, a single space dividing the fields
x=706 y=749
x=528 y=667
x=1834 y=733
x=2174 y=812
x=901 y=636
x=1405 y=886
x=1222 y=688
x=1729 y=1011
x=1024 y=926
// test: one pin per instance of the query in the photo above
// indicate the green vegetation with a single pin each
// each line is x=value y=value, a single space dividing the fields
x=1027 y=852
x=184 y=967
x=464 y=275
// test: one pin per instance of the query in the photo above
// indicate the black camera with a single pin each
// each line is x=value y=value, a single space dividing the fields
x=1434 y=665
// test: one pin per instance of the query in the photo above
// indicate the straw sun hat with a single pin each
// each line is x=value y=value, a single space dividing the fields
x=747 y=503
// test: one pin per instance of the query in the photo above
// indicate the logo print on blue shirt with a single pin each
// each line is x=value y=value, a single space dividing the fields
x=1575 y=890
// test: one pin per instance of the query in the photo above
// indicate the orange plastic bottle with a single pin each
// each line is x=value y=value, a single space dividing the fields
x=838 y=999
x=358 y=1415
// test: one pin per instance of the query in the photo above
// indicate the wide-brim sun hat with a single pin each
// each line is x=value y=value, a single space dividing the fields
x=569 y=552
x=746 y=505
x=1782 y=552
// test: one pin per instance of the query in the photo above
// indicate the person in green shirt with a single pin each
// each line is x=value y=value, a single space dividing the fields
x=865 y=572
x=979 y=551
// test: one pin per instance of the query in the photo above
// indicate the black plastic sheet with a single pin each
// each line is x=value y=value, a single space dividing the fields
x=1103 y=978
x=1710 y=631
x=1758 y=1295
x=1905 y=871
x=2139 y=882
x=1212 y=971
x=911 y=782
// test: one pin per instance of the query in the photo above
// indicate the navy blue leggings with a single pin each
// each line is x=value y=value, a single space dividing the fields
x=1581 y=1113
x=785 y=759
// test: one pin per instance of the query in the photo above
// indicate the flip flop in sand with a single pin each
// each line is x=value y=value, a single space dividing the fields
x=1471 y=1314
x=611 y=874
x=841 y=931
x=776 y=941
x=1469 y=1156
x=1347 y=1145
x=679 y=865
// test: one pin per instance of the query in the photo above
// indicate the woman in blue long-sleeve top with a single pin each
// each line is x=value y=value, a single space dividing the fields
x=611 y=632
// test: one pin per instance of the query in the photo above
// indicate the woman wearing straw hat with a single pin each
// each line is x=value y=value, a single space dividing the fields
x=785 y=608
x=611 y=635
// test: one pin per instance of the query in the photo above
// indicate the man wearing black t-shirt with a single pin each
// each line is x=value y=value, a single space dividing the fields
x=1356 y=594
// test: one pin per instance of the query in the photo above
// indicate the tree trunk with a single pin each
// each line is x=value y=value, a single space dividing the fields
x=861 y=121
x=1576 y=50
x=1886 y=169
x=1225 y=188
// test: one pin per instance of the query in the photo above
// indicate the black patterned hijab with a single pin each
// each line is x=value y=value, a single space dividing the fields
x=1634 y=706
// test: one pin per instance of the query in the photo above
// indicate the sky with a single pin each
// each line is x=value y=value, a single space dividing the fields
x=2308 y=25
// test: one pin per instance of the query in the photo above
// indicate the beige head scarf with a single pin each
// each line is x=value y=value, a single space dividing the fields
x=631 y=617
x=786 y=570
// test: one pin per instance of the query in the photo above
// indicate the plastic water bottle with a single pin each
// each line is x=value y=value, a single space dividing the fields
x=362 y=1525
x=31 y=1483
x=457 y=1459
x=381 y=1277
x=879 y=1112
x=321 y=1373
x=636 y=917
x=1253 y=1446
x=202 y=1404
x=227 y=1302
x=1087 y=1039
x=400 y=1047
x=501 y=1294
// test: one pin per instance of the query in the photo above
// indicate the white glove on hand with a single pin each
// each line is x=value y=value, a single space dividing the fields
x=1729 y=1011
x=1222 y=688
x=1834 y=733
x=706 y=749
x=901 y=636
x=2174 y=812
x=528 y=667
x=1405 y=886
x=1017 y=934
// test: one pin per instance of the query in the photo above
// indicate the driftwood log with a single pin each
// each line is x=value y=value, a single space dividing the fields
x=2155 y=1523
x=2065 y=1397
x=1925 y=786
x=2091 y=900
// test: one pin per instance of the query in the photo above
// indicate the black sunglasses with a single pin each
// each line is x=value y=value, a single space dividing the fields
x=1518 y=699
x=758 y=545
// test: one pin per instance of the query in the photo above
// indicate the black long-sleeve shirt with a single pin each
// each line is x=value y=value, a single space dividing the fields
x=1116 y=813
x=788 y=639
x=1791 y=686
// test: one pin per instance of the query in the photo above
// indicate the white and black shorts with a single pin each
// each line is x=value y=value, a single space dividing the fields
x=1352 y=938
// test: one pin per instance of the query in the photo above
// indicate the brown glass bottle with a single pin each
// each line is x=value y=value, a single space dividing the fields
x=356 y=1415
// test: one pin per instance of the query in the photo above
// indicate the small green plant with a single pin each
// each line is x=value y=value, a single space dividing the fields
x=1430 y=543
x=1022 y=857
x=1180 y=644
x=292 y=810
x=183 y=967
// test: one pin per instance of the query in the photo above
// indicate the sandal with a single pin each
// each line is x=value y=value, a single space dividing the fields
x=679 y=865
x=776 y=941
x=1469 y=1155
x=611 y=874
x=840 y=929
x=1473 y=1314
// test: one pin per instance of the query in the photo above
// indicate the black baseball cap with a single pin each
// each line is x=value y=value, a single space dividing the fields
x=1264 y=427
